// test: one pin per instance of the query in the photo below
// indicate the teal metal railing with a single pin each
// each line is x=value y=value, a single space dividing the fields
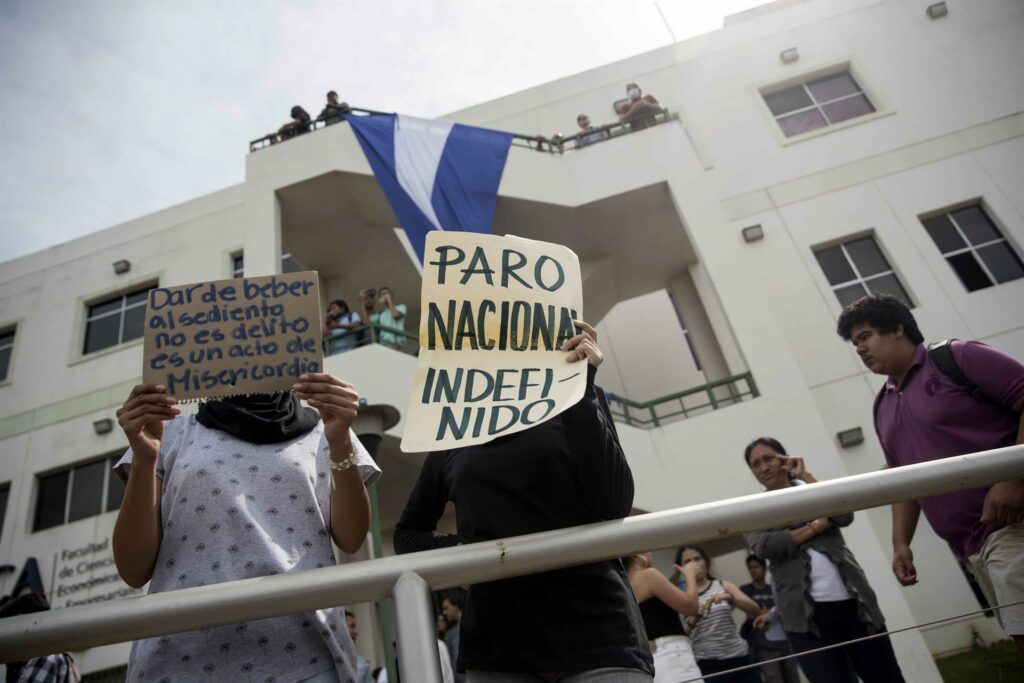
x=681 y=405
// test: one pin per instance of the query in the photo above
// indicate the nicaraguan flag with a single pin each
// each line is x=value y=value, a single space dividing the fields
x=437 y=175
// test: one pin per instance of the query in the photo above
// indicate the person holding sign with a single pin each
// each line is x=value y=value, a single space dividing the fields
x=575 y=624
x=250 y=486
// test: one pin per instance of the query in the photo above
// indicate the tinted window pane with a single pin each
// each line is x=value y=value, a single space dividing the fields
x=5 y=492
x=115 y=489
x=802 y=122
x=867 y=257
x=106 y=307
x=101 y=333
x=834 y=264
x=944 y=234
x=134 y=319
x=976 y=225
x=87 y=491
x=847 y=109
x=5 y=362
x=237 y=266
x=1002 y=262
x=788 y=100
x=888 y=284
x=53 y=491
x=6 y=339
x=138 y=297
x=971 y=274
x=847 y=295
x=831 y=87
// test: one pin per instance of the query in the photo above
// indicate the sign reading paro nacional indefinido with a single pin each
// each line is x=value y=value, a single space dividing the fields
x=495 y=313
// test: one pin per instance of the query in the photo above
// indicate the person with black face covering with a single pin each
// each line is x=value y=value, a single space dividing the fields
x=249 y=486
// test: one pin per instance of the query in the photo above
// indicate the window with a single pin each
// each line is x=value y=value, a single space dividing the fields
x=78 y=492
x=5 y=494
x=857 y=268
x=6 y=349
x=115 y=321
x=817 y=103
x=237 y=265
x=974 y=247
x=288 y=262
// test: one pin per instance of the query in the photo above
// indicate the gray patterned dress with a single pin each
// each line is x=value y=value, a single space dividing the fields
x=235 y=510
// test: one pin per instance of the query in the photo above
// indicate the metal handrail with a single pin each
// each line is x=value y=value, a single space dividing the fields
x=560 y=144
x=322 y=122
x=370 y=333
x=632 y=412
x=77 y=628
x=555 y=144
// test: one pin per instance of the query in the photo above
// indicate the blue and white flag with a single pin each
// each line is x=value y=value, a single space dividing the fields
x=437 y=175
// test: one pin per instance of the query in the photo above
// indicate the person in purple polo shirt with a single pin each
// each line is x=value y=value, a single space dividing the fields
x=921 y=415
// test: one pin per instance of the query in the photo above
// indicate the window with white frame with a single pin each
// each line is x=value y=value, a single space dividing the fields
x=973 y=246
x=115 y=320
x=237 y=265
x=817 y=103
x=857 y=268
x=77 y=492
x=6 y=350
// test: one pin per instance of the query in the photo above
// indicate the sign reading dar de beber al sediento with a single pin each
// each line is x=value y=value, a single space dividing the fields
x=495 y=313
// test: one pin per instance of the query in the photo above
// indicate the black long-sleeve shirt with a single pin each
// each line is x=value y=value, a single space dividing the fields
x=564 y=472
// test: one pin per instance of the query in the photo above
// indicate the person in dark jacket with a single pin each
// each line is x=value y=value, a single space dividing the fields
x=576 y=624
x=823 y=595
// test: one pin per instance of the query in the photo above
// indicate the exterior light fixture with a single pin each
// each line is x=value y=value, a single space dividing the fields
x=753 y=233
x=850 y=437
x=104 y=426
x=791 y=55
x=122 y=266
x=937 y=10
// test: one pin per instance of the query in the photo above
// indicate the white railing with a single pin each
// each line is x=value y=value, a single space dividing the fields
x=410 y=578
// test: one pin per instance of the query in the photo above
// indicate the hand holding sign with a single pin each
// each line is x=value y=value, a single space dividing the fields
x=584 y=345
x=336 y=400
x=141 y=418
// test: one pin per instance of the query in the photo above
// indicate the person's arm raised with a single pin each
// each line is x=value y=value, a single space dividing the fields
x=138 y=530
x=337 y=401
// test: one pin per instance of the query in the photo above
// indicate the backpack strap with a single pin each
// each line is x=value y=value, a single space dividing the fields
x=941 y=353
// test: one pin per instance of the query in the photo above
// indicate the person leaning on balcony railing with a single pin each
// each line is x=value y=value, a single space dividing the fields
x=588 y=134
x=824 y=597
x=297 y=126
x=925 y=412
x=641 y=110
x=249 y=486
x=390 y=320
x=334 y=111
x=575 y=624
x=339 y=323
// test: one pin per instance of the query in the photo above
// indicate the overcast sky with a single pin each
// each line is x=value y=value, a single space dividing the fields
x=113 y=109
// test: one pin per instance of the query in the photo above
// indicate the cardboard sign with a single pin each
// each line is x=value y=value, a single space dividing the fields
x=241 y=336
x=495 y=312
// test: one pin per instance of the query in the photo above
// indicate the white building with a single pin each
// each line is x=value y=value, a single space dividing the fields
x=828 y=133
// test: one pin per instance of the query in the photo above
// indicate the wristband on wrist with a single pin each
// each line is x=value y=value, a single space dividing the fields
x=341 y=466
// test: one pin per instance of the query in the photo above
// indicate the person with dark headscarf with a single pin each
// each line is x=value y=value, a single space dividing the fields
x=249 y=486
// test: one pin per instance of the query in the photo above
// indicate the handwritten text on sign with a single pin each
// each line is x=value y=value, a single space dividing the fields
x=495 y=312
x=236 y=336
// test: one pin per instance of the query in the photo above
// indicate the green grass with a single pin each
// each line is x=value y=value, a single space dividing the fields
x=1001 y=663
